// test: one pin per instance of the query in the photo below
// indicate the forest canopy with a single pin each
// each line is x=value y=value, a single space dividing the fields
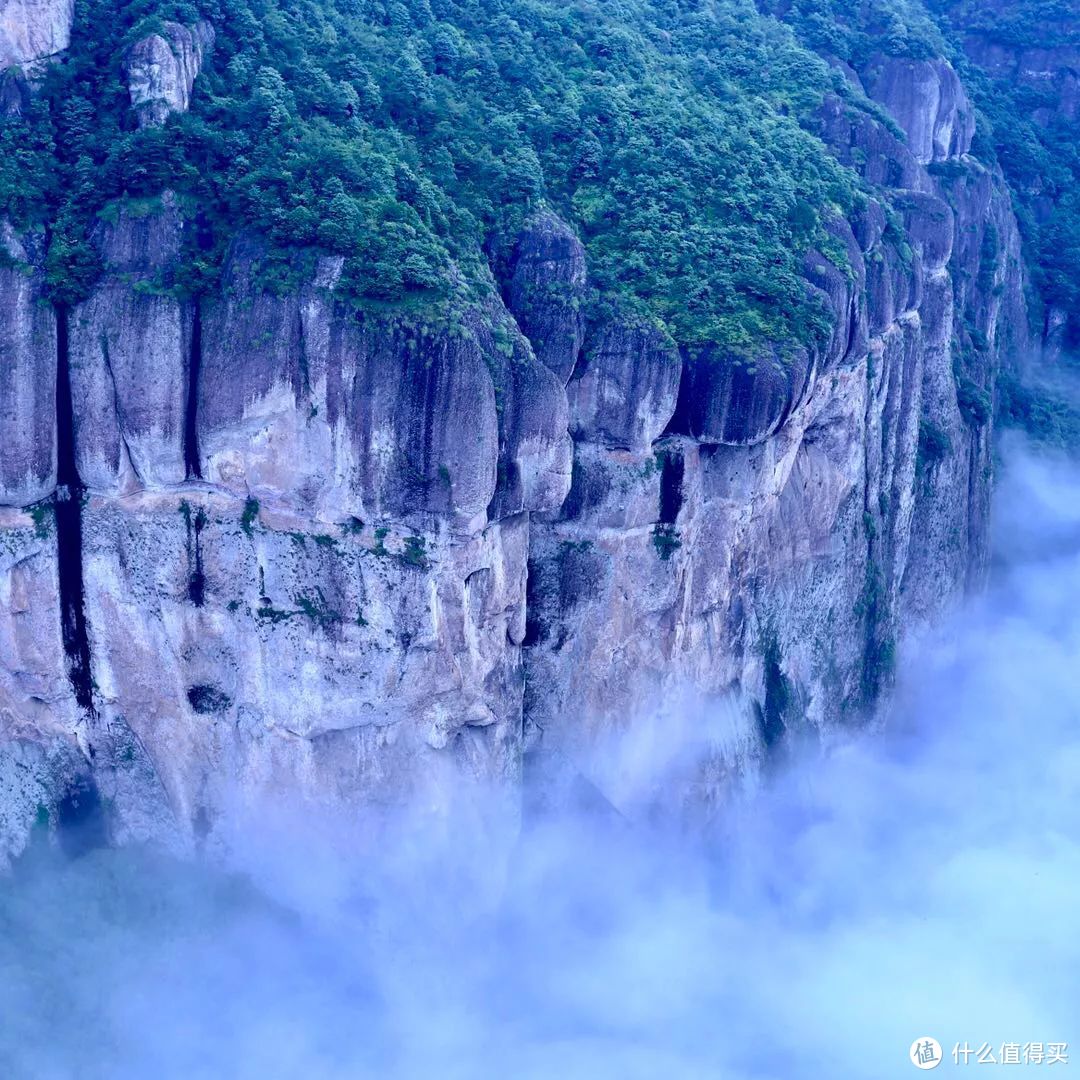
x=414 y=137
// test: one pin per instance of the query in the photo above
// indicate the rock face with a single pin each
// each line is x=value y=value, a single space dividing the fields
x=626 y=387
x=31 y=31
x=741 y=400
x=357 y=559
x=27 y=380
x=130 y=345
x=926 y=99
x=799 y=513
x=162 y=68
x=342 y=416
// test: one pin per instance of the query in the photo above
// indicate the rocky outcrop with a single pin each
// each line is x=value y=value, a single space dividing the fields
x=342 y=416
x=546 y=290
x=926 y=99
x=626 y=386
x=162 y=69
x=32 y=31
x=741 y=400
x=801 y=512
x=355 y=416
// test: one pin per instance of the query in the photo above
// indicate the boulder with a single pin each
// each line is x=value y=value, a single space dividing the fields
x=162 y=68
x=546 y=289
x=625 y=390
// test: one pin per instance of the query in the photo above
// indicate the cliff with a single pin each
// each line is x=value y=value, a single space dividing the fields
x=1024 y=60
x=256 y=541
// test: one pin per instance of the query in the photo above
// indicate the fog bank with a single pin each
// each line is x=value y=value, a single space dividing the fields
x=920 y=880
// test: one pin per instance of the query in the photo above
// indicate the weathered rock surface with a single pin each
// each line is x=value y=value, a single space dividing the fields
x=331 y=663
x=927 y=100
x=626 y=386
x=740 y=400
x=27 y=379
x=535 y=448
x=33 y=30
x=797 y=519
x=342 y=415
x=162 y=69
x=129 y=353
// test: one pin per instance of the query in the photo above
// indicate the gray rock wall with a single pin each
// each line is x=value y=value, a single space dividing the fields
x=800 y=513
x=31 y=31
x=27 y=378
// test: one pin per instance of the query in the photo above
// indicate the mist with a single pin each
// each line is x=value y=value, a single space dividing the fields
x=919 y=879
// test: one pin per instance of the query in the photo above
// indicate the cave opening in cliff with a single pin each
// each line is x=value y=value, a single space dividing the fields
x=69 y=527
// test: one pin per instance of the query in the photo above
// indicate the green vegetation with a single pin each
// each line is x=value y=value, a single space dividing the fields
x=976 y=405
x=250 y=515
x=415 y=552
x=43 y=515
x=314 y=608
x=1019 y=23
x=879 y=648
x=269 y=613
x=666 y=540
x=934 y=445
x=207 y=699
x=879 y=666
x=1048 y=414
x=858 y=32
x=414 y=137
x=318 y=611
